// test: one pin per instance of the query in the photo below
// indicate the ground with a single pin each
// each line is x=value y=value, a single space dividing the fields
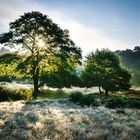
x=60 y=119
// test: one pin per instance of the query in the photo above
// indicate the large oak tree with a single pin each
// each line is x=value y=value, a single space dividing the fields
x=36 y=34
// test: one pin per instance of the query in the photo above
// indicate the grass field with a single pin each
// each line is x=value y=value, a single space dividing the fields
x=60 y=119
x=54 y=116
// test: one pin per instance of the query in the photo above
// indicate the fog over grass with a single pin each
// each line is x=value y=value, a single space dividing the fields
x=16 y=85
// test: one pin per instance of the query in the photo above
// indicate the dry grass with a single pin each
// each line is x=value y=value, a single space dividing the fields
x=62 y=120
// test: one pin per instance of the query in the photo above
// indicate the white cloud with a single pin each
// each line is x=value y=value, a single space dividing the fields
x=88 y=38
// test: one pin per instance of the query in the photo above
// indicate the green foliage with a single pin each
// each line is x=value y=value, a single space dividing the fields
x=134 y=103
x=113 y=101
x=9 y=58
x=61 y=73
x=76 y=97
x=103 y=69
x=7 y=94
x=121 y=102
x=118 y=101
x=60 y=79
x=5 y=79
x=52 y=94
x=88 y=99
x=8 y=64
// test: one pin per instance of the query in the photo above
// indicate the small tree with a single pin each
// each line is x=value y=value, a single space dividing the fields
x=103 y=69
x=40 y=38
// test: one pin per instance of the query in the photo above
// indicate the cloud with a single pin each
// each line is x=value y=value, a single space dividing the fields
x=88 y=38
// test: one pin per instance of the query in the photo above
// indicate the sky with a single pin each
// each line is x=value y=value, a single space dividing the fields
x=112 y=24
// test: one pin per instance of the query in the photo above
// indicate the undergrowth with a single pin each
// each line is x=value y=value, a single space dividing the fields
x=122 y=102
x=88 y=99
x=7 y=94
x=112 y=101
x=53 y=94
x=95 y=99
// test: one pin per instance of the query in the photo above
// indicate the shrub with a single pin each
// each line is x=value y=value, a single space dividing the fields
x=88 y=99
x=117 y=101
x=76 y=97
x=121 y=101
x=134 y=103
x=14 y=94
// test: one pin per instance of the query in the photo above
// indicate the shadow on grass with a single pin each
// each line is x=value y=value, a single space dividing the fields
x=16 y=124
x=36 y=120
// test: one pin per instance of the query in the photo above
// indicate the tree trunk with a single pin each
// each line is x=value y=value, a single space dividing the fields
x=100 y=90
x=106 y=92
x=35 y=81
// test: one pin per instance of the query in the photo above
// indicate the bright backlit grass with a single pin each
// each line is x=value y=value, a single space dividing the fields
x=61 y=119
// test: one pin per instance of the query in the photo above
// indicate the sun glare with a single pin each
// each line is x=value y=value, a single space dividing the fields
x=40 y=43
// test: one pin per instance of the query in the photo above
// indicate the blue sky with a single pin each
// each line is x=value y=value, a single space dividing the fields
x=113 y=24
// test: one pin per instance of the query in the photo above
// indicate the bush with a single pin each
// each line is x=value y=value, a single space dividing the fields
x=134 y=103
x=117 y=101
x=14 y=94
x=76 y=97
x=88 y=99
x=121 y=101
x=53 y=94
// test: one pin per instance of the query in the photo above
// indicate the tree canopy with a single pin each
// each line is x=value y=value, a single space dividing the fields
x=8 y=64
x=103 y=69
x=41 y=41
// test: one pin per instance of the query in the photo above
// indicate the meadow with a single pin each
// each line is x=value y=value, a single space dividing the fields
x=60 y=115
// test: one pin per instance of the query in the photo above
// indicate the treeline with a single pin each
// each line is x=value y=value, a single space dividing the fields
x=130 y=59
x=101 y=68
